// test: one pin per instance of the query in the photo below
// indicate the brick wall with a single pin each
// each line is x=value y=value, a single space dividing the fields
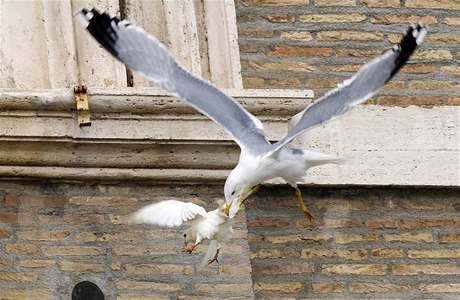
x=365 y=244
x=316 y=44
x=53 y=236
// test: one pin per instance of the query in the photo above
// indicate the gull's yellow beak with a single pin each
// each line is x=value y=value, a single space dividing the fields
x=227 y=208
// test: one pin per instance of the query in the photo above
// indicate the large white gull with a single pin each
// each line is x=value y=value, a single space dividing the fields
x=259 y=160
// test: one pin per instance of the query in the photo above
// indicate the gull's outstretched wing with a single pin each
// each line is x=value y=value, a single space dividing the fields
x=143 y=53
x=363 y=85
x=169 y=213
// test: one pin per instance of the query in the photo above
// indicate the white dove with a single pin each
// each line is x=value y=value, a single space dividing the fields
x=214 y=226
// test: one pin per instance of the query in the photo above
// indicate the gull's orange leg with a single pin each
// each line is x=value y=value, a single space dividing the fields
x=302 y=204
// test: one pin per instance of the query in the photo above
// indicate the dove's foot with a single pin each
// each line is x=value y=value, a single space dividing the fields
x=302 y=204
x=215 y=257
x=189 y=249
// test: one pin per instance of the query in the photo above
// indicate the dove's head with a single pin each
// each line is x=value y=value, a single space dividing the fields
x=236 y=191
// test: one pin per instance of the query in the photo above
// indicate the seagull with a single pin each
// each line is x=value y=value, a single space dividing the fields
x=260 y=160
x=214 y=226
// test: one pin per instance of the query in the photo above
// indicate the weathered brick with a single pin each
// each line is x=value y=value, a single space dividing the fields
x=253 y=82
x=29 y=294
x=440 y=288
x=282 y=239
x=136 y=296
x=29 y=277
x=449 y=238
x=279 y=287
x=346 y=52
x=345 y=238
x=443 y=38
x=81 y=267
x=434 y=253
x=409 y=100
x=72 y=219
x=235 y=270
x=8 y=218
x=419 y=205
x=115 y=266
x=283 y=269
x=36 y=235
x=403 y=19
x=275 y=2
x=387 y=253
x=430 y=222
x=418 y=269
x=37 y=263
x=275 y=253
x=418 y=69
x=430 y=84
x=329 y=223
x=332 y=18
x=452 y=70
x=5 y=233
x=380 y=3
x=317 y=237
x=72 y=250
x=296 y=36
x=284 y=82
x=340 y=68
x=409 y=237
x=453 y=21
x=367 y=287
x=223 y=287
x=335 y=3
x=26 y=201
x=143 y=250
x=381 y=223
x=453 y=101
x=103 y=201
x=354 y=269
x=147 y=285
x=128 y=235
x=6 y=262
x=245 y=18
x=280 y=18
x=249 y=48
x=432 y=55
x=281 y=66
x=283 y=50
x=21 y=248
x=341 y=205
x=255 y=32
x=344 y=35
x=120 y=219
x=321 y=83
x=145 y=269
x=444 y=4
x=334 y=253
x=328 y=287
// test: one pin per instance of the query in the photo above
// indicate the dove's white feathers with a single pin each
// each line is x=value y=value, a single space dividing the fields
x=169 y=213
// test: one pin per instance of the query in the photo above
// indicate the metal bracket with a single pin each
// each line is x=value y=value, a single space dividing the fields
x=81 y=98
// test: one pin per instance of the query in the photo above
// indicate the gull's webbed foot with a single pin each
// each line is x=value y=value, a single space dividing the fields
x=302 y=204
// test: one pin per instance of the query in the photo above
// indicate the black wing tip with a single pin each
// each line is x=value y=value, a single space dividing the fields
x=413 y=37
x=101 y=26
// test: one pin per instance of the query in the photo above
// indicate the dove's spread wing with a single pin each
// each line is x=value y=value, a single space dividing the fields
x=169 y=213
x=143 y=53
x=363 y=85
